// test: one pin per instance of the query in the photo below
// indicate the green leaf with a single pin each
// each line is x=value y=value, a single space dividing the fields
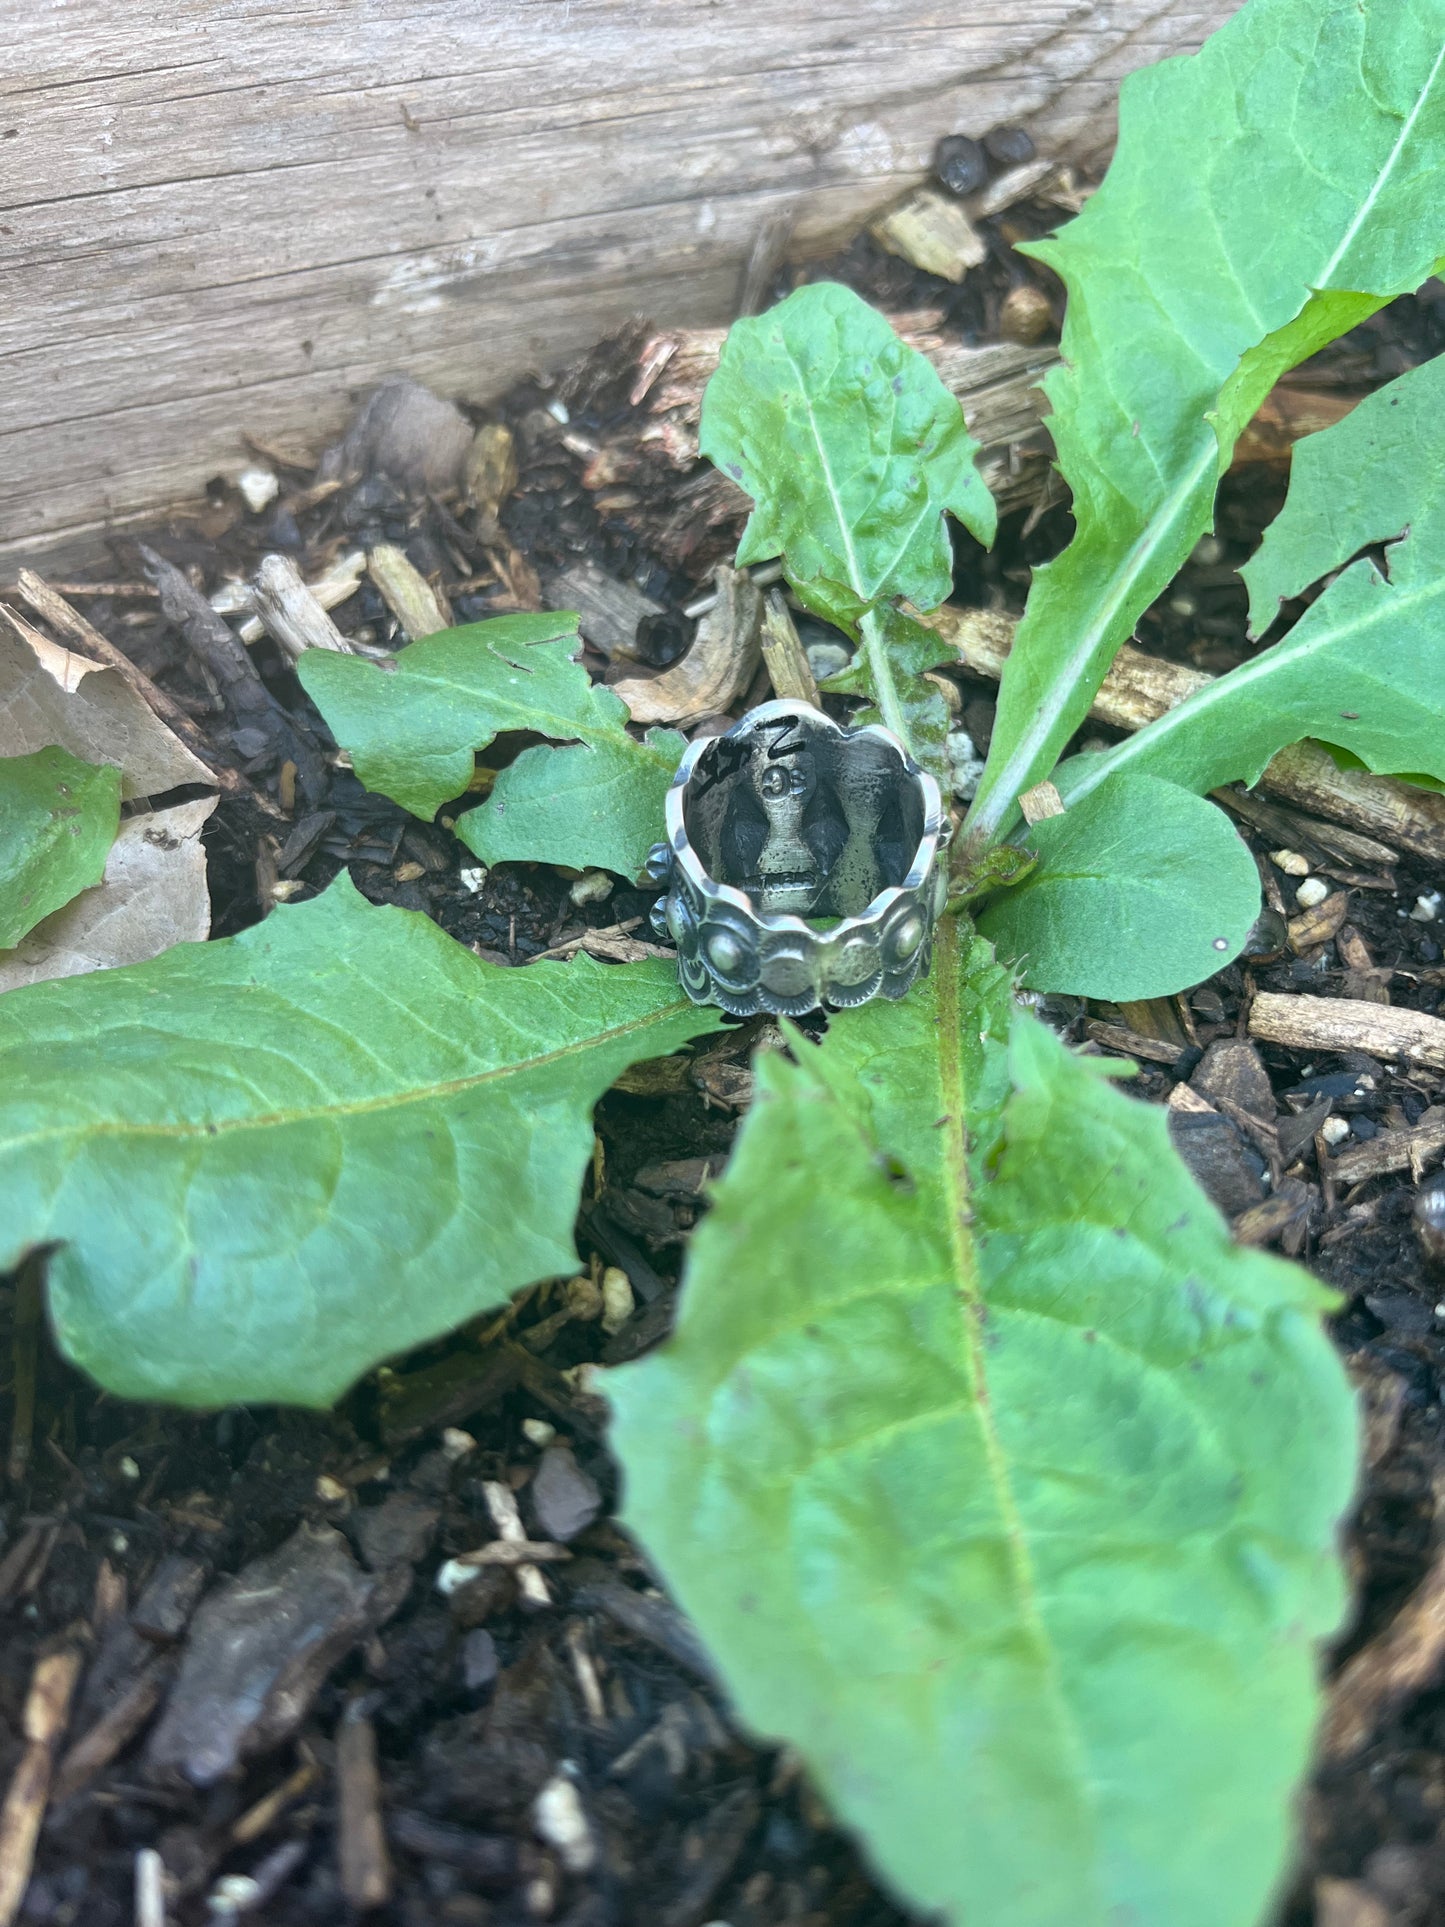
x=852 y=449
x=996 y=1479
x=58 y=819
x=910 y=650
x=1141 y=889
x=268 y=1162
x=1377 y=476
x=413 y=726
x=1265 y=195
x=1364 y=667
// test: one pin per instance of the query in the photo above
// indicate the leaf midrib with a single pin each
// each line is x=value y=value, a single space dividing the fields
x=973 y=1310
x=1018 y=768
x=395 y=1100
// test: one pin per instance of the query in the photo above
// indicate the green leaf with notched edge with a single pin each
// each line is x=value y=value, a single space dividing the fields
x=1265 y=195
x=1141 y=889
x=269 y=1162
x=1377 y=476
x=852 y=450
x=912 y=650
x=412 y=727
x=58 y=819
x=1364 y=667
x=999 y=1483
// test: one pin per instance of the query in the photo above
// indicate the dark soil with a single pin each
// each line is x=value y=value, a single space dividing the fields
x=118 y=1519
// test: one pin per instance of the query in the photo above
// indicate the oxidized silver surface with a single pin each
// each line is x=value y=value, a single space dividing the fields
x=787 y=821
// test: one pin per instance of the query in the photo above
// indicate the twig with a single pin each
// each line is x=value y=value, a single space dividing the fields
x=1393 y=1151
x=364 y=1863
x=502 y=1504
x=150 y=1889
x=47 y=1708
x=289 y=612
x=1344 y=1023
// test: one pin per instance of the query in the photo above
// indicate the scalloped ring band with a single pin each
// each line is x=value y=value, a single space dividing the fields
x=800 y=866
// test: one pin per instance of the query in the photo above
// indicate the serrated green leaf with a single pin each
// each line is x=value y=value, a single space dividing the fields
x=1377 y=476
x=58 y=819
x=1000 y=1484
x=269 y=1162
x=413 y=726
x=852 y=450
x=911 y=650
x=1364 y=667
x=1141 y=889
x=1265 y=195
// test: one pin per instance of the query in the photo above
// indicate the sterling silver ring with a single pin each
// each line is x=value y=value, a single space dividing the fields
x=800 y=866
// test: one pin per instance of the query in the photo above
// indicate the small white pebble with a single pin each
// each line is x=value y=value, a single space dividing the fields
x=1334 y=1129
x=1182 y=605
x=1312 y=891
x=1427 y=908
x=127 y=1468
x=1291 y=862
x=456 y=1444
x=258 y=486
x=455 y=1574
x=557 y=409
x=119 y=1544
x=471 y=876
x=1440 y=1309
x=1364 y=1082
x=284 y=888
x=330 y=1491
x=1207 y=551
x=233 y=1893
x=965 y=765
x=559 y=1819
x=593 y=886
x=827 y=659
x=538 y=1432
x=616 y=1299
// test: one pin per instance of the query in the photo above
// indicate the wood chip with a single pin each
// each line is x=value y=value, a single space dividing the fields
x=420 y=609
x=490 y=472
x=930 y=230
x=1041 y=802
x=1395 y=1666
x=335 y=585
x=1411 y=1150
x=289 y=612
x=1319 y=924
x=363 y=1861
x=114 y=1730
x=1262 y=1223
x=1344 y=1024
x=789 y=670
x=47 y=1709
x=609 y=612
x=1117 y=1037
x=716 y=670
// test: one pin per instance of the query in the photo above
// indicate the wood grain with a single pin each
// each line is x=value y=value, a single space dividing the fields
x=233 y=215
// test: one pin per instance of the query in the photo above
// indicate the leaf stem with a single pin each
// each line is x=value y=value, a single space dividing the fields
x=890 y=705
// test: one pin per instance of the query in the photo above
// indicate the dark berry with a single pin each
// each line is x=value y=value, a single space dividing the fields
x=961 y=164
x=1008 y=146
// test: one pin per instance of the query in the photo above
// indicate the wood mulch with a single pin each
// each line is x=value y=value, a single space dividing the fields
x=424 y=1740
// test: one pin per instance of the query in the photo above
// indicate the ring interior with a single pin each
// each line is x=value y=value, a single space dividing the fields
x=803 y=820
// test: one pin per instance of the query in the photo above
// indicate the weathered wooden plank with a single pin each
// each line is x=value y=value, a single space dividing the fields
x=231 y=215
